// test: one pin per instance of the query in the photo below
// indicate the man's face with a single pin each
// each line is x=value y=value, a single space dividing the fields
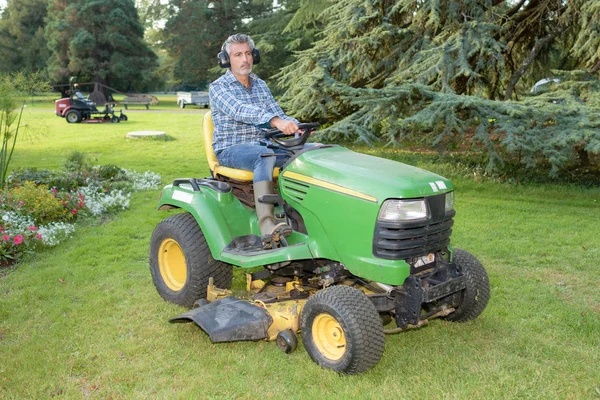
x=240 y=56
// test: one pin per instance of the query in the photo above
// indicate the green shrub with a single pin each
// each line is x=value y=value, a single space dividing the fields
x=76 y=161
x=63 y=181
x=111 y=173
x=39 y=176
x=38 y=202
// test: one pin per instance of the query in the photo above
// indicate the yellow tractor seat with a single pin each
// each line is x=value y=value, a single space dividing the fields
x=213 y=163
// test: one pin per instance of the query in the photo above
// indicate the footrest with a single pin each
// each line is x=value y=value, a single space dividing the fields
x=271 y=199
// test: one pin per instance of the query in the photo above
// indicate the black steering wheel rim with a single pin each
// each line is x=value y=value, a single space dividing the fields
x=276 y=135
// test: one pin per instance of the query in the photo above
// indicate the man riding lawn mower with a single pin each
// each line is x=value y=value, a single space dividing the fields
x=370 y=244
x=76 y=108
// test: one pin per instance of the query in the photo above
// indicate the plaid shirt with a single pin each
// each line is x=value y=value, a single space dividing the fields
x=241 y=115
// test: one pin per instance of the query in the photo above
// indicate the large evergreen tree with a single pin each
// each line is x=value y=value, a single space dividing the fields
x=101 y=41
x=22 y=43
x=443 y=69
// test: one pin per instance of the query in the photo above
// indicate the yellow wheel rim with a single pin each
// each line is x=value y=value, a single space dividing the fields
x=329 y=337
x=171 y=263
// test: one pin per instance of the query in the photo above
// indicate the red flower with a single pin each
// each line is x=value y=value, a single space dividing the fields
x=74 y=211
x=32 y=228
x=81 y=197
x=18 y=239
x=53 y=190
x=5 y=237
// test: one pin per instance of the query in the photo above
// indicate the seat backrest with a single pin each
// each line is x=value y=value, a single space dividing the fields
x=207 y=130
x=213 y=163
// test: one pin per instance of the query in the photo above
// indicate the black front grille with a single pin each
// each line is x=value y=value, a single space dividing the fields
x=399 y=241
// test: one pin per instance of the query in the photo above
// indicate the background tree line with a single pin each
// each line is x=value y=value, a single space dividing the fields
x=448 y=74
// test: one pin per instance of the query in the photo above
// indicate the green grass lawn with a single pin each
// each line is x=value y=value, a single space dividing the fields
x=83 y=319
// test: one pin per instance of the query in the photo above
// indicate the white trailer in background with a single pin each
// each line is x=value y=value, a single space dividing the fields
x=196 y=98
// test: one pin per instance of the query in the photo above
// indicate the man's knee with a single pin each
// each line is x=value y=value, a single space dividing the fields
x=265 y=158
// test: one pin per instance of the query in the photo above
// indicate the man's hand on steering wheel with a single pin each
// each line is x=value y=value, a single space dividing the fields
x=284 y=125
x=291 y=140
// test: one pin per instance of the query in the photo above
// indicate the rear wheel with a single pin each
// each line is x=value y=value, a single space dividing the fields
x=472 y=299
x=181 y=262
x=114 y=119
x=342 y=330
x=73 y=116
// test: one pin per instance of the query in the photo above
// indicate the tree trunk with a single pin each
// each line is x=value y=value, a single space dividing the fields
x=532 y=55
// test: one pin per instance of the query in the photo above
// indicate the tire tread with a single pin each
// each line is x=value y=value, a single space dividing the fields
x=365 y=339
x=477 y=293
x=201 y=265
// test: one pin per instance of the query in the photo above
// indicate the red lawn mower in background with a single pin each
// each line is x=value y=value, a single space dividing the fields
x=76 y=108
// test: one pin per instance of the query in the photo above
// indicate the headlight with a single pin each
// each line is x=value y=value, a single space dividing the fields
x=403 y=210
x=449 y=206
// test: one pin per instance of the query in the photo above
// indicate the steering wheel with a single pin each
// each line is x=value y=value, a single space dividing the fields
x=280 y=138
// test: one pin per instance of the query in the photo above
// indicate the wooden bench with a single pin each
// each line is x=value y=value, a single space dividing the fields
x=137 y=100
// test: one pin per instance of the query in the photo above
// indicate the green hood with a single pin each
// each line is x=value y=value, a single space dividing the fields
x=372 y=176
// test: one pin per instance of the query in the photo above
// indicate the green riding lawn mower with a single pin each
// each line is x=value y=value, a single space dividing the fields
x=369 y=254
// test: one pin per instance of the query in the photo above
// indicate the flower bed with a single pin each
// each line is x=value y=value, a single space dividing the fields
x=40 y=208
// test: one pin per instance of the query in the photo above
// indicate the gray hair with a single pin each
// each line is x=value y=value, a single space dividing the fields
x=237 y=38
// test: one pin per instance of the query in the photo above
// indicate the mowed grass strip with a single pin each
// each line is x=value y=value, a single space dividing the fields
x=84 y=320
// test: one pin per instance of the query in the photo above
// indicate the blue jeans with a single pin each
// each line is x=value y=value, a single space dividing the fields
x=248 y=156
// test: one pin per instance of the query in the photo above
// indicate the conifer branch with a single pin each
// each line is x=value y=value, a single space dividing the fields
x=532 y=55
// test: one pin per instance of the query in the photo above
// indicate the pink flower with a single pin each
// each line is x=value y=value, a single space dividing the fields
x=21 y=203
x=1 y=229
x=18 y=239
x=74 y=211
x=80 y=204
x=53 y=190
x=32 y=228
x=5 y=237
x=38 y=236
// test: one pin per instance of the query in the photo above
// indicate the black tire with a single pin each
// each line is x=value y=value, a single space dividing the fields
x=115 y=120
x=123 y=117
x=181 y=262
x=73 y=116
x=287 y=341
x=342 y=330
x=474 y=298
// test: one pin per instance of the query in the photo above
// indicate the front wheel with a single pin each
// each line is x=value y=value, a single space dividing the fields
x=474 y=297
x=342 y=330
x=73 y=116
x=181 y=262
